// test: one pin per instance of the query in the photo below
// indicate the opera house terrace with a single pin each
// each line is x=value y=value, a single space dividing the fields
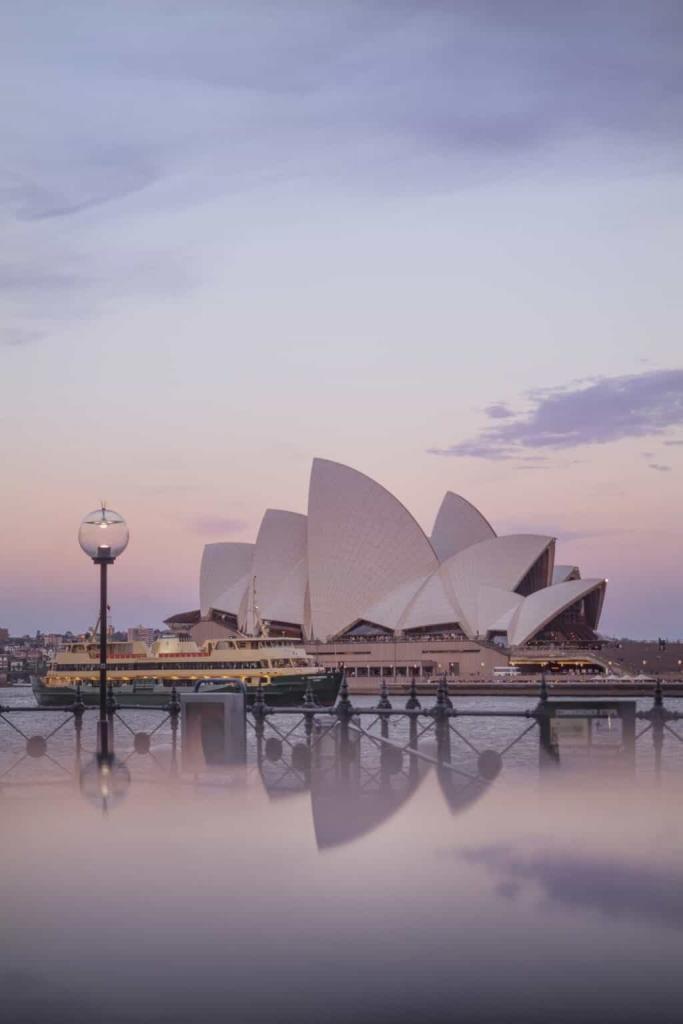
x=358 y=581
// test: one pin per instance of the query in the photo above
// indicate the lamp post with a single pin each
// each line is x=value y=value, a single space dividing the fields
x=103 y=535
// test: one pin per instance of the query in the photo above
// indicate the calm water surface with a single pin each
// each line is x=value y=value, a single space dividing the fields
x=347 y=882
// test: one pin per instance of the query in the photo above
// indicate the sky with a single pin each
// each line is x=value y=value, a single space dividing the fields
x=436 y=241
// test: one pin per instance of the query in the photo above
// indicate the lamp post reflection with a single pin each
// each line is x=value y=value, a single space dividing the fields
x=105 y=782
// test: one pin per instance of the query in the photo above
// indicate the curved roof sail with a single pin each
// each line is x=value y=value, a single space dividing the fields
x=362 y=544
x=537 y=610
x=279 y=566
x=562 y=573
x=457 y=526
x=502 y=562
x=223 y=565
x=391 y=608
x=496 y=608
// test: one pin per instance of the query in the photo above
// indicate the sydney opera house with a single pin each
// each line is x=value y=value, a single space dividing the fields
x=357 y=579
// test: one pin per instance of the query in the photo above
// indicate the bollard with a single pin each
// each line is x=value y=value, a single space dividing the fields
x=413 y=703
x=174 y=709
x=344 y=708
x=382 y=708
x=308 y=712
x=259 y=708
x=174 y=706
x=413 y=763
x=444 y=704
x=658 y=694
x=78 y=710
x=384 y=702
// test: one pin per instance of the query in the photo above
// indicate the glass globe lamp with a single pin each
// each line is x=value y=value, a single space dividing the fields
x=103 y=534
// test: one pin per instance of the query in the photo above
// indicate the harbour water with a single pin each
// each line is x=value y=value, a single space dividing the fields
x=348 y=885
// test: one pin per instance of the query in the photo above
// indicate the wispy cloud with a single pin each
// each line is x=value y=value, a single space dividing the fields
x=659 y=467
x=499 y=411
x=344 y=88
x=16 y=336
x=105 y=173
x=244 y=96
x=29 y=276
x=606 y=409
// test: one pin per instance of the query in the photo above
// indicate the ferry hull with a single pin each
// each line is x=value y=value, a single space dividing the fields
x=286 y=691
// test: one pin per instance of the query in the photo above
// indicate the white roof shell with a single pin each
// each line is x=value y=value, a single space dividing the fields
x=362 y=544
x=458 y=525
x=223 y=565
x=501 y=562
x=433 y=604
x=540 y=608
x=279 y=567
x=562 y=573
x=391 y=608
x=231 y=599
x=425 y=601
x=495 y=609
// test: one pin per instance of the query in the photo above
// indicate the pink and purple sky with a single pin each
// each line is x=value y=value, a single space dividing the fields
x=439 y=242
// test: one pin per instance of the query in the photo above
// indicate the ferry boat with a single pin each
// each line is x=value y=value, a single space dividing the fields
x=142 y=674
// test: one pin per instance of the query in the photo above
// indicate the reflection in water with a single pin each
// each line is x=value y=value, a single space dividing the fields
x=453 y=885
x=358 y=775
x=351 y=795
x=105 y=781
x=653 y=893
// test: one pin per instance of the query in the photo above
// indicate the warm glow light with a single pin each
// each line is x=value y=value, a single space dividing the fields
x=110 y=543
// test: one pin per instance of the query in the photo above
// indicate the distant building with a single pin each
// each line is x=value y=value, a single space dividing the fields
x=146 y=634
x=52 y=640
x=4 y=635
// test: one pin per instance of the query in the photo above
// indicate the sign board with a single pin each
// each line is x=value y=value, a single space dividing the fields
x=588 y=734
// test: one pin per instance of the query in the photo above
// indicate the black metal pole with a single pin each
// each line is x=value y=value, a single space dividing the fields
x=103 y=724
